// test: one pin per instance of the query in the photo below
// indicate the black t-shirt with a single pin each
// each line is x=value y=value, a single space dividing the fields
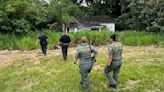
x=43 y=39
x=65 y=39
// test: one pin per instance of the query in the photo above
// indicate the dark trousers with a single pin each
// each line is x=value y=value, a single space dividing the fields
x=115 y=67
x=44 y=48
x=64 y=52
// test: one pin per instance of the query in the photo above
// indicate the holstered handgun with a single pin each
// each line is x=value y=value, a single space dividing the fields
x=93 y=55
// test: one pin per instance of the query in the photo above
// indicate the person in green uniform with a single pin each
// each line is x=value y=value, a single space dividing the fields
x=43 y=42
x=85 y=53
x=114 y=61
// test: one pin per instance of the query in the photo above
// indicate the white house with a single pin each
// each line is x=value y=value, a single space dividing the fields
x=92 y=23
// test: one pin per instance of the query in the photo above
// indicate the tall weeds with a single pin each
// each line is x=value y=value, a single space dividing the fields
x=130 y=38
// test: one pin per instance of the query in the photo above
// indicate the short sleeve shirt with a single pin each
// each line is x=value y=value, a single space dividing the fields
x=43 y=39
x=115 y=49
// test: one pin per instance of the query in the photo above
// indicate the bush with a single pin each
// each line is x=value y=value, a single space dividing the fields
x=134 y=38
x=143 y=15
x=129 y=38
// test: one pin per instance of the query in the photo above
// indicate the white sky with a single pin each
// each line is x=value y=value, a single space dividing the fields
x=48 y=1
x=83 y=3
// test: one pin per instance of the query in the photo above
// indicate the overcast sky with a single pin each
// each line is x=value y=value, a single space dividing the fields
x=83 y=3
x=48 y=1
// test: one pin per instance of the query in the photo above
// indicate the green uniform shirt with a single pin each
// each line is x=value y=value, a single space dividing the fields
x=84 y=52
x=115 y=49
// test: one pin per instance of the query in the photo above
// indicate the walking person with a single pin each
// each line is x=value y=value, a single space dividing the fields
x=64 y=43
x=43 y=42
x=85 y=53
x=114 y=61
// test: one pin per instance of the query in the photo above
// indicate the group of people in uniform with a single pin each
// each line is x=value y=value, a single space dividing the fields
x=86 y=55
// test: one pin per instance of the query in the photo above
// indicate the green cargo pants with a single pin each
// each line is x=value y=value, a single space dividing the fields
x=85 y=69
x=115 y=67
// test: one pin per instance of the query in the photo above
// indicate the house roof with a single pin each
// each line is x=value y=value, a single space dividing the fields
x=95 y=19
x=89 y=21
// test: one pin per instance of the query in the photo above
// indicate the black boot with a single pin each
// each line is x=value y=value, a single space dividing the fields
x=81 y=82
x=113 y=86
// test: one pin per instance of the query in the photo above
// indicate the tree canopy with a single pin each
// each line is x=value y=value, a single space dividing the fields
x=20 y=16
x=25 y=15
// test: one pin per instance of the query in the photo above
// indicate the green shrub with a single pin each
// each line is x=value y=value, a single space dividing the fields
x=134 y=38
x=27 y=43
x=129 y=38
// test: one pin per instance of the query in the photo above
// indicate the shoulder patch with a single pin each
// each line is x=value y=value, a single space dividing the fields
x=110 y=48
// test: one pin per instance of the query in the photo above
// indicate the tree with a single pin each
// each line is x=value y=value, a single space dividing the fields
x=113 y=8
x=147 y=15
x=20 y=16
x=62 y=12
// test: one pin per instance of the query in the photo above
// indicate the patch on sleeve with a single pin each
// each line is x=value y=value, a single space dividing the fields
x=109 y=50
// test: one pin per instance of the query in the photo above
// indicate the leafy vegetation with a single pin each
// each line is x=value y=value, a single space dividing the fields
x=22 y=16
x=130 y=38
x=146 y=15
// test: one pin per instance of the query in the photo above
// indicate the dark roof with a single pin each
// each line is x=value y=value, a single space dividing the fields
x=89 y=21
x=95 y=19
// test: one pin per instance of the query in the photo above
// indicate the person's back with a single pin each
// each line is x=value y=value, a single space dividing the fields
x=114 y=61
x=43 y=39
x=65 y=39
x=64 y=43
x=116 y=51
x=85 y=52
x=43 y=42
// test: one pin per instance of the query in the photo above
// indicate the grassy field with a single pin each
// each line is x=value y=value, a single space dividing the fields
x=28 y=71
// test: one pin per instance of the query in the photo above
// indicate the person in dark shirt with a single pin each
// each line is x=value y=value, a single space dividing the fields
x=43 y=42
x=64 y=43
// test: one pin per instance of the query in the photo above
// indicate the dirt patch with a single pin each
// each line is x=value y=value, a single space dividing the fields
x=9 y=57
x=98 y=67
x=29 y=84
x=132 y=82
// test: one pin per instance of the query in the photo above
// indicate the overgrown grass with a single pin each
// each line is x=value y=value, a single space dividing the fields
x=130 y=38
x=141 y=72
x=133 y=38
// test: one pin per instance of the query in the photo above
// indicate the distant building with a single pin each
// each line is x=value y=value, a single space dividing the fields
x=45 y=1
x=92 y=23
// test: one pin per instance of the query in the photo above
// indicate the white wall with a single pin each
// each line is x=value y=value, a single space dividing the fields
x=110 y=26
